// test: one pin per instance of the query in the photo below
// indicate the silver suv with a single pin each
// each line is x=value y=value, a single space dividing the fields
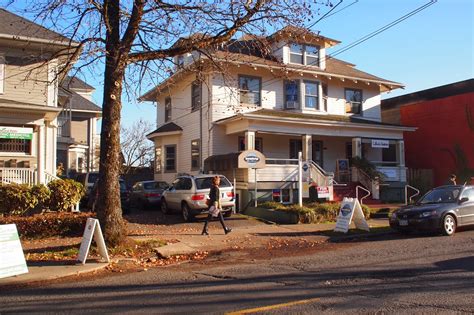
x=189 y=194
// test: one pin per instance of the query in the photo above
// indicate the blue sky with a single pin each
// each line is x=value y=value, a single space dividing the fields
x=432 y=48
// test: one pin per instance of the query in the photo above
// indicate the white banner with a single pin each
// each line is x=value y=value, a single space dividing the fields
x=350 y=209
x=378 y=143
x=12 y=260
x=92 y=230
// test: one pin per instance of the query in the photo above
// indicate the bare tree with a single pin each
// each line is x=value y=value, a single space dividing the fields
x=137 y=150
x=135 y=40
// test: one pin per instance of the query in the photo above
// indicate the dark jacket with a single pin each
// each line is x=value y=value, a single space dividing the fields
x=214 y=194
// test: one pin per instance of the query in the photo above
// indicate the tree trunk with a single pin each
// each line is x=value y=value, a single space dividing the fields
x=109 y=209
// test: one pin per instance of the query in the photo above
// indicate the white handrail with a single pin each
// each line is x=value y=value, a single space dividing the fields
x=407 y=200
x=357 y=193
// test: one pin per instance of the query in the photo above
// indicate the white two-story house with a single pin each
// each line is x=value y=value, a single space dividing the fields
x=279 y=95
x=29 y=99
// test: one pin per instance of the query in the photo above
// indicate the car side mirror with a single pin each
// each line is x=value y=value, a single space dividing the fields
x=463 y=200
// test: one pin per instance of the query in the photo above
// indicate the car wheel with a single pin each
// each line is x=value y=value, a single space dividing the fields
x=187 y=216
x=164 y=207
x=449 y=225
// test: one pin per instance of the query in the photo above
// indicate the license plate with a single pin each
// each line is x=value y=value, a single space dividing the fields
x=403 y=222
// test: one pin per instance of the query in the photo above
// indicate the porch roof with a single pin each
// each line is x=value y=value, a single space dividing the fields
x=166 y=129
x=266 y=117
x=47 y=112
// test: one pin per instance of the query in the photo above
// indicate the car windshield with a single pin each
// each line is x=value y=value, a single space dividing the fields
x=123 y=186
x=93 y=177
x=155 y=185
x=206 y=182
x=441 y=195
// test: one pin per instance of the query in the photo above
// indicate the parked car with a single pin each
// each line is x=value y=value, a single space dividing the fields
x=147 y=193
x=87 y=180
x=441 y=209
x=124 y=197
x=188 y=194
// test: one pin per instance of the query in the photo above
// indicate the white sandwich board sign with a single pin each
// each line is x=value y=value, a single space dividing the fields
x=350 y=210
x=92 y=230
x=12 y=260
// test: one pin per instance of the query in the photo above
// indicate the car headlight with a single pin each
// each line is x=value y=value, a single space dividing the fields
x=428 y=214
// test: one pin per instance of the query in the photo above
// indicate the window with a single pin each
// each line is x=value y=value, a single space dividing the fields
x=324 y=88
x=469 y=193
x=206 y=182
x=258 y=144
x=167 y=109
x=170 y=156
x=180 y=61
x=249 y=90
x=291 y=94
x=353 y=101
x=196 y=95
x=311 y=95
x=158 y=160
x=15 y=145
x=295 y=147
x=195 y=155
x=2 y=74
x=304 y=54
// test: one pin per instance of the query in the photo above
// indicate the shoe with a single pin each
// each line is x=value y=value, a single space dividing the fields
x=204 y=233
x=227 y=230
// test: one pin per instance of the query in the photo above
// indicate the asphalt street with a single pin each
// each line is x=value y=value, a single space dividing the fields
x=393 y=274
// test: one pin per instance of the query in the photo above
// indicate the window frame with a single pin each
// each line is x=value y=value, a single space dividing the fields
x=241 y=141
x=318 y=105
x=168 y=109
x=194 y=156
x=351 y=103
x=304 y=54
x=175 y=158
x=297 y=54
x=298 y=97
x=196 y=95
x=259 y=91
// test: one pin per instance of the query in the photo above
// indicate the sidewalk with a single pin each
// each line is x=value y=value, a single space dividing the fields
x=252 y=236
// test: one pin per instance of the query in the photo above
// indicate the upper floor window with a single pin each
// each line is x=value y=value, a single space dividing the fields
x=353 y=101
x=311 y=94
x=170 y=158
x=195 y=154
x=167 y=109
x=304 y=54
x=196 y=97
x=258 y=144
x=291 y=94
x=249 y=88
x=15 y=145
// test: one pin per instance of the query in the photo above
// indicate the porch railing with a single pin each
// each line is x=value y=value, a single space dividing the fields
x=9 y=175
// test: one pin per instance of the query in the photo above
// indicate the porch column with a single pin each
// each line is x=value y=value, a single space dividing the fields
x=307 y=147
x=250 y=140
x=401 y=152
x=357 y=147
x=40 y=155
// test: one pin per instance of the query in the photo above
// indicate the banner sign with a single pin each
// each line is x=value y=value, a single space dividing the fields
x=92 y=230
x=378 y=143
x=16 y=133
x=251 y=159
x=12 y=260
x=350 y=210
x=323 y=192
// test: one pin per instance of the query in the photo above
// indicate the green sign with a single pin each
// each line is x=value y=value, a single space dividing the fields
x=16 y=133
x=12 y=260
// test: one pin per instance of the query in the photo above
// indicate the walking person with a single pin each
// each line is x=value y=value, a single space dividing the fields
x=215 y=206
x=452 y=180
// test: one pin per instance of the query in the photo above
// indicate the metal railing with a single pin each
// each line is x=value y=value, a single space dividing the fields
x=357 y=193
x=320 y=176
x=408 y=200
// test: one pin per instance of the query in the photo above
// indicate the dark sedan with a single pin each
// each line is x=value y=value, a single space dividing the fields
x=147 y=193
x=441 y=209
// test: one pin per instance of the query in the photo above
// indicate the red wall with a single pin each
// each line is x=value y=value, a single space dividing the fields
x=442 y=124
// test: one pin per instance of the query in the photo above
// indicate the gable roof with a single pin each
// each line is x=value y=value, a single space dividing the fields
x=461 y=87
x=81 y=103
x=301 y=34
x=12 y=25
x=76 y=83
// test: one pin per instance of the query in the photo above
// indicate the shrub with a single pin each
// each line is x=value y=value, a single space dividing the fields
x=42 y=195
x=312 y=212
x=16 y=199
x=65 y=193
x=49 y=224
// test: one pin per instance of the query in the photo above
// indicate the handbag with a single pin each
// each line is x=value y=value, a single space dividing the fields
x=214 y=211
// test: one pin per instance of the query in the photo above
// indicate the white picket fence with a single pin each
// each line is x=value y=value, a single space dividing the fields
x=9 y=175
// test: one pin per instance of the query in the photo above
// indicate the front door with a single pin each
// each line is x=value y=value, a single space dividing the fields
x=318 y=153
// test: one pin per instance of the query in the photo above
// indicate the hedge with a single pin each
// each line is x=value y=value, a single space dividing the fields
x=49 y=224
x=20 y=199
x=312 y=212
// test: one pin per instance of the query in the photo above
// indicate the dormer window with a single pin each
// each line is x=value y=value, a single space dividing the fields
x=180 y=61
x=304 y=54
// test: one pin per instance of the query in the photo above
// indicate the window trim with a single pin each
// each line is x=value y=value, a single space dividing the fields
x=298 y=92
x=361 y=101
x=168 y=112
x=195 y=168
x=166 y=158
x=196 y=103
x=318 y=105
x=259 y=92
